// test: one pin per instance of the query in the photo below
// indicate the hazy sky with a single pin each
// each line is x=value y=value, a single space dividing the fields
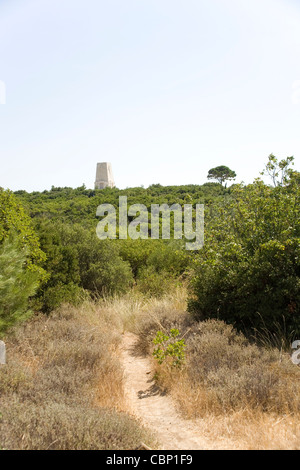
x=162 y=89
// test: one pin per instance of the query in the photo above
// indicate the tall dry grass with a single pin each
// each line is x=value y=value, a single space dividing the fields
x=62 y=387
x=134 y=311
x=244 y=393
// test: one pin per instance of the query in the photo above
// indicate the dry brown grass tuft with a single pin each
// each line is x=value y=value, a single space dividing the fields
x=251 y=430
x=135 y=311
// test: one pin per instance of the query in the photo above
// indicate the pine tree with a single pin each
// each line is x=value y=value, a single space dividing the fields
x=17 y=284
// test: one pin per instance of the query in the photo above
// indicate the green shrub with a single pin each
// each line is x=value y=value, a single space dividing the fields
x=53 y=297
x=155 y=283
x=17 y=284
x=21 y=261
x=169 y=346
x=16 y=223
x=79 y=264
x=248 y=272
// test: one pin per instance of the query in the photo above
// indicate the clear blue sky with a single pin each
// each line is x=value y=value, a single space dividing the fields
x=162 y=89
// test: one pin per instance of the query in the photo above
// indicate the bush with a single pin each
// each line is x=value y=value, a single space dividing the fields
x=168 y=346
x=237 y=374
x=20 y=261
x=52 y=297
x=16 y=223
x=59 y=426
x=79 y=264
x=154 y=283
x=223 y=371
x=17 y=284
x=248 y=272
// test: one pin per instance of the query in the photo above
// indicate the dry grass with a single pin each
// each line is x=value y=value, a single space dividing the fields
x=135 y=311
x=251 y=430
x=243 y=393
x=63 y=385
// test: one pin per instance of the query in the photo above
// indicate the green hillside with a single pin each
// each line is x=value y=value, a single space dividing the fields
x=246 y=274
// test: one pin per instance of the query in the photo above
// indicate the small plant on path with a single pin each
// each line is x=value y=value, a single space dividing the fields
x=169 y=346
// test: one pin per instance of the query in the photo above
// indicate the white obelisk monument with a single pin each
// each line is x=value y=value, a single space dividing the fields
x=104 y=176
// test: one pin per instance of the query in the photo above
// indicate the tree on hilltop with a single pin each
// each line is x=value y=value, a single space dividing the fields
x=221 y=173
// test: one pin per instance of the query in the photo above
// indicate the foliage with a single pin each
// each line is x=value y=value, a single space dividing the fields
x=78 y=264
x=50 y=298
x=157 y=265
x=79 y=205
x=21 y=261
x=65 y=221
x=14 y=221
x=223 y=370
x=278 y=171
x=248 y=271
x=221 y=173
x=17 y=284
x=169 y=346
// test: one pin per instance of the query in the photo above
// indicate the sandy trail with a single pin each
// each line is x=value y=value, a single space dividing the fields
x=154 y=410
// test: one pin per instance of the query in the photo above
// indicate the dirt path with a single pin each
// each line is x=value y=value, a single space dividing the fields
x=154 y=410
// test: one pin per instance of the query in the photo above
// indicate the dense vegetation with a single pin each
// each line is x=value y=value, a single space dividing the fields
x=21 y=260
x=247 y=273
x=80 y=265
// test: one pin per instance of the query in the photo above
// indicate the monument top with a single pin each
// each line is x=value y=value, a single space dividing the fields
x=104 y=176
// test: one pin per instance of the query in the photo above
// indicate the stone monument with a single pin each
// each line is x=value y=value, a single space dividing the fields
x=104 y=176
